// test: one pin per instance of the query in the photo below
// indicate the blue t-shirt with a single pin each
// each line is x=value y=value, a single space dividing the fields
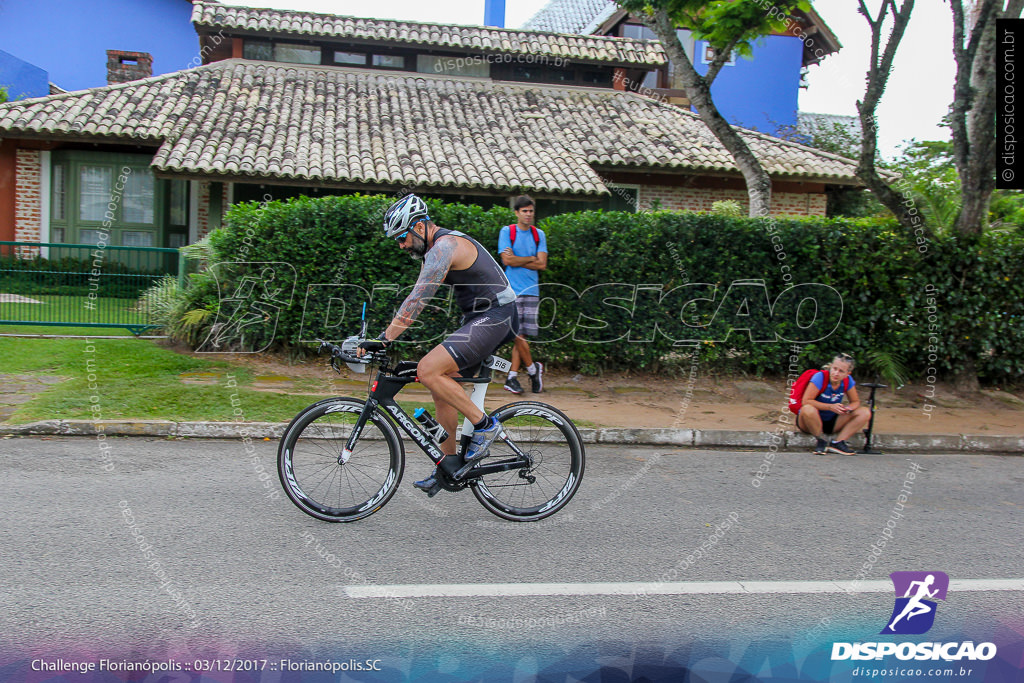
x=830 y=395
x=523 y=280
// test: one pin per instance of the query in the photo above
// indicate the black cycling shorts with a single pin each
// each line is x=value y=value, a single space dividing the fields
x=481 y=334
x=828 y=424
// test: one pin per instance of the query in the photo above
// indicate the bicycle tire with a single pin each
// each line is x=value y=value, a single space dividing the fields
x=547 y=435
x=307 y=461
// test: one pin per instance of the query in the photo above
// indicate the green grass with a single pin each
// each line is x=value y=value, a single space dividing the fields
x=137 y=379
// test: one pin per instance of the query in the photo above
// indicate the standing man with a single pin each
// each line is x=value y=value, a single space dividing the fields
x=524 y=251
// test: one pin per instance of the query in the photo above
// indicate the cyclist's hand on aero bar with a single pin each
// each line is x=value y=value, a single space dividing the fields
x=373 y=345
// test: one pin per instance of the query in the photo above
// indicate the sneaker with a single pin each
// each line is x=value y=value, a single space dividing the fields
x=819 y=446
x=841 y=448
x=537 y=379
x=481 y=441
x=512 y=384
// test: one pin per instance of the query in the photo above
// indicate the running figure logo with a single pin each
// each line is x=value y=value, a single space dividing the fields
x=914 y=612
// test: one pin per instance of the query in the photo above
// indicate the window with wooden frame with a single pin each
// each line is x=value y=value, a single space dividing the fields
x=104 y=197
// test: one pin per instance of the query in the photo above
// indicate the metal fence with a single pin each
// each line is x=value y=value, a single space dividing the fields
x=80 y=285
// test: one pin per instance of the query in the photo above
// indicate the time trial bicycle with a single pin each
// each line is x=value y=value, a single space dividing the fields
x=342 y=459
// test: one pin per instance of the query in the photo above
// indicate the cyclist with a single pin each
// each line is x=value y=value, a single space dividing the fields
x=489 y=320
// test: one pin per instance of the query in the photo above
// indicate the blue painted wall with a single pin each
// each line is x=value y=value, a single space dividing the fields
x=494 y=13
x=69 y=39
x=760 y=92
x=22 y=79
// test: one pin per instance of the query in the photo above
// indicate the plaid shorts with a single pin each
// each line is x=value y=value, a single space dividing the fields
x=527 y=307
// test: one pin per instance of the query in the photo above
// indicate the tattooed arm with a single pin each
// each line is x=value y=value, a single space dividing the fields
x=436 y=263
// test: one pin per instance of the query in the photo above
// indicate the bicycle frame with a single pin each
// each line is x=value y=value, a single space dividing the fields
x=382 y=395
x=317 y=445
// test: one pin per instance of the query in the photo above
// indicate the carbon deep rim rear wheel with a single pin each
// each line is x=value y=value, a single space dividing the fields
x=307 y=461
x=551 y=440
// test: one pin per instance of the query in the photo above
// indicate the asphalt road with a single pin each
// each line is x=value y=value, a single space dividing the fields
x=228 y=566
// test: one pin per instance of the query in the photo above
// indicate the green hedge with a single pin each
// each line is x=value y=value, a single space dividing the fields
x=632 y=291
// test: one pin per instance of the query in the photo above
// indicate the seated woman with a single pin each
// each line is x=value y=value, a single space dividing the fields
x=822 y=411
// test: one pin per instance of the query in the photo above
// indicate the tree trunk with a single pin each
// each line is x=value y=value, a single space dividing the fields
x=698 y=90
x=759 y=184
x=902 y=205
x=973 y=113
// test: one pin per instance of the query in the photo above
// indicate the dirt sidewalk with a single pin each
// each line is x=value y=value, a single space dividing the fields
x=619 y=400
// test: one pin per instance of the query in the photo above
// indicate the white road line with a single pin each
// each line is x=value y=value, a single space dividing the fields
x=466 y=590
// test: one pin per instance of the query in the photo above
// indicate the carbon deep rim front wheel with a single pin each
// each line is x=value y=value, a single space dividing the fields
x=312 y=474
x=551 y=441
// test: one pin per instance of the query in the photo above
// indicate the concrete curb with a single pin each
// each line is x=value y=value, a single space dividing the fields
x=693 y=438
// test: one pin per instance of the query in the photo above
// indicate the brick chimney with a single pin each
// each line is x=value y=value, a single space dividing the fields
x=128 y=66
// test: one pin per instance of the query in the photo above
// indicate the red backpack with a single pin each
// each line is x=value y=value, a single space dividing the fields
x=512 y=234
x=796 y=394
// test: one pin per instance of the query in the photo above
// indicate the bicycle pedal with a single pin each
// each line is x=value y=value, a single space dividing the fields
x=433 y=490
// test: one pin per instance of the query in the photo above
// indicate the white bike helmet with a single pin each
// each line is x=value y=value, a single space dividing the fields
x=404 y=214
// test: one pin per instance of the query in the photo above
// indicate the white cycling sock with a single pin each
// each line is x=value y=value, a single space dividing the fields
x=532 y=370
x=512 y=375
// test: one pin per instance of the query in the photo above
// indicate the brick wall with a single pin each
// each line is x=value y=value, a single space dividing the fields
x=28 y=214
x=203 y=207
x=701 y=199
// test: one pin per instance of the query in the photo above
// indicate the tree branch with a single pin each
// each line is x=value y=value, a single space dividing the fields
x=986 y=12
x=721 y=57
x=905 y=209
x=899 y=25
x=963 y=92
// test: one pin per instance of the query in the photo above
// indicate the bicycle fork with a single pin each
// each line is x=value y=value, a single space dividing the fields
x=368 y=408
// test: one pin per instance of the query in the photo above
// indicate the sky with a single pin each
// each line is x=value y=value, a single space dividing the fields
x=917 y=97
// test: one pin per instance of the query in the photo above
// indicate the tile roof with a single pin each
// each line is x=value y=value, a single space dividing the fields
x=808 y=123
x=586 y=16
x=476 y=39
x=242 y=120
x=568 y=16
